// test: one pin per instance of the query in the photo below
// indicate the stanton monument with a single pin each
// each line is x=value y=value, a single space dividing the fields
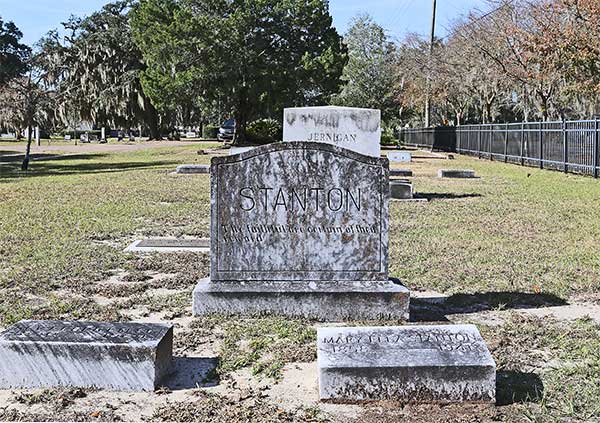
x=300 y=228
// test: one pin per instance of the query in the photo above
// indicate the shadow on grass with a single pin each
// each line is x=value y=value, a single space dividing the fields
x=445 y=196
x=54 y=167
x=17 y=157
x=192 y=372
x=437 y=308
x=514 y=387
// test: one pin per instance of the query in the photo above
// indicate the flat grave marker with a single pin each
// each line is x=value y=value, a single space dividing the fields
x=456 y=173
x=400 y=157
x=167 y=245
x=443 y=363
x=115 y=356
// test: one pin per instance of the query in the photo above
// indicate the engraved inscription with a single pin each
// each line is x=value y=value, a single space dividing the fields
x=406 y=340
x=76 y=331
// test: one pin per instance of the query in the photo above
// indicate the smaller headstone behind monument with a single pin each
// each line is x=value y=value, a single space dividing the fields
x=347 y=127
x=116 y=356
x=446 y=363
x=239 y=150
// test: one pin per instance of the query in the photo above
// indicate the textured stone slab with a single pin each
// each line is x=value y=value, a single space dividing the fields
x=448 y=363
x=116 y=356
x=336 y=301
x=401 y=189
x=401 y=172
x=400 y=157
x=347 y=127
x=456 y=173
x=193 y=169
x=299 y=211
x=166 y=245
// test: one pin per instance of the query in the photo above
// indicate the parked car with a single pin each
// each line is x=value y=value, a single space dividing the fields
x=226 y=131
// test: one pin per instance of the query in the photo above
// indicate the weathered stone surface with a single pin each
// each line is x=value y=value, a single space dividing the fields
x=449 y=363
x=400 y=156
x=299 y=212
x=401 y=172
x=116 y=356
x=401 y=189
x=168 y=245
x=300 y=228
x=333 y=302
x=347 y=127
x=456 y=173
x=193 y=168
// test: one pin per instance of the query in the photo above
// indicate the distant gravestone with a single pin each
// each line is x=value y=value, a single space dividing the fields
x=401 y=189
x=401 y=172
x=300 y=229
x=239 y=150
x=193 y=169
x=347 y=127
x=456 y=173
x=448 y=363
x=400 y=157
x=117 y=356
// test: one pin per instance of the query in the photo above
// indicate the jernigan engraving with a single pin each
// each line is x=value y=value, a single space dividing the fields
x=299 y=211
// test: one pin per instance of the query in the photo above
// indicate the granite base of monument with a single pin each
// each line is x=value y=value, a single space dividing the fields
x=115 y=356
x=448 y=363
x=330 y=301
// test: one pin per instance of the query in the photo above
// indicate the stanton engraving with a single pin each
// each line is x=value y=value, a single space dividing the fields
x=300 y=199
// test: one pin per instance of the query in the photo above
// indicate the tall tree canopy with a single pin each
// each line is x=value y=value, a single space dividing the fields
x=98 y=70
x=256 y=56
x=13 y=54
x=369 y=76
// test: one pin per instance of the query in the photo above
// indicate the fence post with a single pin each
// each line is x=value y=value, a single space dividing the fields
x=522 y=144
x=490 y=139
x=541 y=147
x=565 y=146
x=506 y=143
x=479 y=141
x=595 y=161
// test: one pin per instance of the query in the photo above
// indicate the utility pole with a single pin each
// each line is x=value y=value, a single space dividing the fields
x=428 y=89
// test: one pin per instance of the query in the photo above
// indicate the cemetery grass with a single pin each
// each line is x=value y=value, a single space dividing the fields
x=513 y=239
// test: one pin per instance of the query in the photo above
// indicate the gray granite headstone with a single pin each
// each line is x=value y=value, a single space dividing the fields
x=401 y=189
x=193 y=169
x=446 y=363
x=116 y=356
x=300 y=228
x=456 y=173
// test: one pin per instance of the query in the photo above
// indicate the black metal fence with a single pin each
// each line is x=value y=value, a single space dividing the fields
x=568 y=146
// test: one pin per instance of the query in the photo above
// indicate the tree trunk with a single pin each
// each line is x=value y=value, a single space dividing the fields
x=25 y=164
x=152 y=120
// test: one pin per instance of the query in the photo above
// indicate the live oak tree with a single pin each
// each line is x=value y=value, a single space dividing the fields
x=97 y=70
x=254 y=56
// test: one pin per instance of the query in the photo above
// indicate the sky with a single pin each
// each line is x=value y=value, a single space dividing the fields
x=36 y=17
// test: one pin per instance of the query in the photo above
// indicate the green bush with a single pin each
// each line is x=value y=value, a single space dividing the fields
x=264 y=131
x=209 y=132
x=388 y=138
